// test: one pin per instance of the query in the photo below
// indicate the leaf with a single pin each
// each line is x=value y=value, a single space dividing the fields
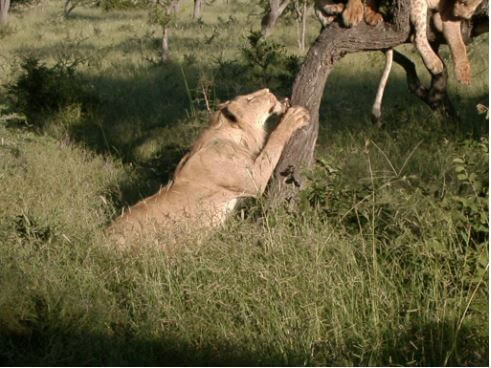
x=462 y=177
x=459 y=168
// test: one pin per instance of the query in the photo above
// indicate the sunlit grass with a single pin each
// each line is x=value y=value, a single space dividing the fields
x=380 y=264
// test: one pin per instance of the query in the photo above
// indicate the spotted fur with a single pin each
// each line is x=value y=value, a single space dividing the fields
x=447 y=16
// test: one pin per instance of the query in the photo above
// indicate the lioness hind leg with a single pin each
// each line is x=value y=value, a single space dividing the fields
x=353 y=13
x=327 y=10
x=372 y=16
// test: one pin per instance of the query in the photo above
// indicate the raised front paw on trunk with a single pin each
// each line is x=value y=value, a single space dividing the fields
x=353 y=13
x=296 y=117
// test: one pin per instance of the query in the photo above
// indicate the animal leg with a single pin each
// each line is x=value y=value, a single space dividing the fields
x=377 y=105
x=295 y=118
x=327 y=10
x=451 y=31
x=372 y=16
x=419 y=11
x=353 y=13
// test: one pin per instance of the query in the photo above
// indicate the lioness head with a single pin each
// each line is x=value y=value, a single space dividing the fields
x=465 y=8
x=252 y=109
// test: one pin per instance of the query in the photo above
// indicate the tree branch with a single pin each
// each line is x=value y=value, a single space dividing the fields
x=332 y=44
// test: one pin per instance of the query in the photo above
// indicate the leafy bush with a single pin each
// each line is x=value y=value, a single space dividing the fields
x=122 y=4
x=42 y=90
x=269 y=63
x=469 y=206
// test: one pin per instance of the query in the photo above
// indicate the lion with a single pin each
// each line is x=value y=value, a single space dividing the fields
x=232 y=159
x=352 y=13
x=446 y=17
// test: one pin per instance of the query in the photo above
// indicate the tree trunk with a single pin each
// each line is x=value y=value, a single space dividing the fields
x=4 y=11
x=301 y=12
x=276 y=8
x=332 y=44
x=197 y=9
x=165 y=43
x=304 y=26
x=69 y=6
x=171 y=9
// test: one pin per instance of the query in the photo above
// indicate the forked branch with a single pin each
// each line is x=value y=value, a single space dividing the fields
x=333 y=43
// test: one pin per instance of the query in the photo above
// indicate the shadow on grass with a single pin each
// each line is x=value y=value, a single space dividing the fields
x=431 y=344
x=64 y=348
x=149 y=116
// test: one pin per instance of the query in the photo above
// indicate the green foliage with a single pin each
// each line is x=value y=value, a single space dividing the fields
x=270 y=63
x=161 y=12
x=469 y=206
x=384 y=263
x=42 y=90
x=109 y=5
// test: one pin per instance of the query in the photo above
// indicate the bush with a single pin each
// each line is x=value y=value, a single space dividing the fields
x=41 y=90
x=122 y=4
x=270 y=64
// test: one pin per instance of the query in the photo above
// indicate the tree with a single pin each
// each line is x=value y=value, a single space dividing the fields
x=197 y=9
x=162 y=12
x=331 y=45
x=4 y=11
x=70 y=5
x=300 y=8
x=274 y=11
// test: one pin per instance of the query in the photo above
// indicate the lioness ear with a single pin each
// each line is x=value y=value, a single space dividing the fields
x=223 y=104
x=229 y=115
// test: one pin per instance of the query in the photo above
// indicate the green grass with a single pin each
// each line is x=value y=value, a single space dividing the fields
x=384 y=263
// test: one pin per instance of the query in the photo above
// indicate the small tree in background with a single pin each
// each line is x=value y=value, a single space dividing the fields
x=274 y=9
x=162 y=12
x=70 y=5
x=300 y=10
x=197 y=9
x=4 y=11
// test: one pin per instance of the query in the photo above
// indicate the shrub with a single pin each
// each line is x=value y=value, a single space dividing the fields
x=42 y=90
x=270 y=64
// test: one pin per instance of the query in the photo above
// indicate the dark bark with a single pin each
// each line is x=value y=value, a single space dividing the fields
x=332 y=44
x=4 y=11
x=276 y=8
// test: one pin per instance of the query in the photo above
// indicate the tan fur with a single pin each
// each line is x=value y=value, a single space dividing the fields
x=447 y=17
x=230 y=160
x=352 y=12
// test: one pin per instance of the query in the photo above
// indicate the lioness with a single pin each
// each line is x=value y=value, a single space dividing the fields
x=230 y=160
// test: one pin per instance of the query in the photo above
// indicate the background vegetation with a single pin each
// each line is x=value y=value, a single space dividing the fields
x=385 y=263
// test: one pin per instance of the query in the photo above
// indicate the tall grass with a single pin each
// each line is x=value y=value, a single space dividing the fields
x=385 y=262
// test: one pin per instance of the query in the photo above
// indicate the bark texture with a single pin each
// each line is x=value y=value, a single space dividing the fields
x=276 y=8
x=4 y=11
x=332 y=44
x=197 y=9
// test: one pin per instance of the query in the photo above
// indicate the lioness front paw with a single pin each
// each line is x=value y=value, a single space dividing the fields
x=353 y=13
x=297 y=117
x=463 y=73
